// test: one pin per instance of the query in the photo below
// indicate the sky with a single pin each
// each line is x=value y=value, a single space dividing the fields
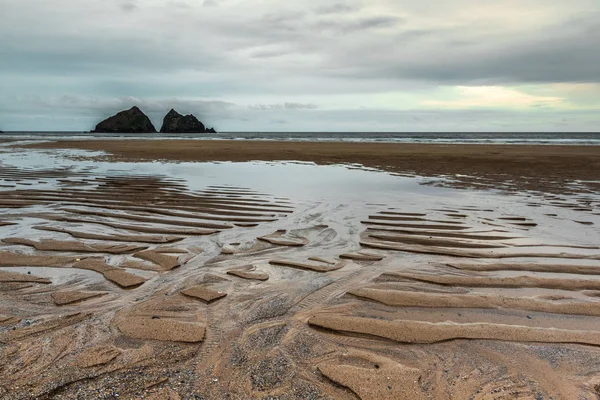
x=310 y=65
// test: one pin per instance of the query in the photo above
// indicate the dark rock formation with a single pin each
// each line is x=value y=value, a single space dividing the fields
x=177 y=123
x=128 y=121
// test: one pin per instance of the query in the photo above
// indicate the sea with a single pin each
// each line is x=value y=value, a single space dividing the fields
x=553 y=138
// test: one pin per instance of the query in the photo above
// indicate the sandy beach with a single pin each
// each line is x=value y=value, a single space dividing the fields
x=191 y=278
x=541 y=166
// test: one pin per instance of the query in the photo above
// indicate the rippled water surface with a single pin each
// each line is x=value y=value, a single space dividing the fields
x=567 y=138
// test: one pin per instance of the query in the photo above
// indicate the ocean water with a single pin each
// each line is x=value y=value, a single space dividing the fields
x=581 y=138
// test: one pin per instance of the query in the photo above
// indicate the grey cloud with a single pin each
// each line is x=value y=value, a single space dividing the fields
x=452 y=53
x=302 y=25
x=377 y=22
x=290 y=20
x=283 y=106
x=337 y=8
x=184 y=5
x=128 y=6
x=357 y=25
x=565 y=53
x=554 y=58
x=269 y=53
x=299 y=106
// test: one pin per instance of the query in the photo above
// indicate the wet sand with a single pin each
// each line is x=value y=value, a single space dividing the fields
x=527 y=167
x=136 y=286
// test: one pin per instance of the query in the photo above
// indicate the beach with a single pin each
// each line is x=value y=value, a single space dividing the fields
x=212 y=269
x=533 y=166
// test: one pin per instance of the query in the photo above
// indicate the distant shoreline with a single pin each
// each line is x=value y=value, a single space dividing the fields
x=488 y=138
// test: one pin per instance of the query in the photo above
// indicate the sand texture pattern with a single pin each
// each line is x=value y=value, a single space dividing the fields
x=120 y=283
x=148 y=328
x=204 y=293
x=427 y=332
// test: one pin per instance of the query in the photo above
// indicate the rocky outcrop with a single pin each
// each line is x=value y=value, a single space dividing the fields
x=177 y=123
x=128 y=121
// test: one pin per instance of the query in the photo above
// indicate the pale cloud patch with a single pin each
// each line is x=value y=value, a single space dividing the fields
x=283 y=106
x=494 y=97
x=337 y=8
x=583 y=95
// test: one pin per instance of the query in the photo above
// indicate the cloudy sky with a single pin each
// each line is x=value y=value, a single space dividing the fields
x=310 y=65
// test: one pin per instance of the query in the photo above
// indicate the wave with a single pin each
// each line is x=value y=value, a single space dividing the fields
x=375 y=137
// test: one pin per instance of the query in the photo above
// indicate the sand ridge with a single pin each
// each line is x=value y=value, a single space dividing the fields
x=280 y=238
x=382 y=379
x=248 y=272
x=411 y=239
x=531 y=267
x=426 y=332
x=12 y=259
x=420 y=299
x=307 y=266
x=6 y=276
x=471 y=253
x=362 y=256
x=42 y=327
x=95 y=356
x=59 y=245
x=165 y=261
x=204 y=293
x=116 y=238
x=150 y=328
x=153 y=220
x=74 y=296
x=137 y=228
x=117 y=275
x=522 y=281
